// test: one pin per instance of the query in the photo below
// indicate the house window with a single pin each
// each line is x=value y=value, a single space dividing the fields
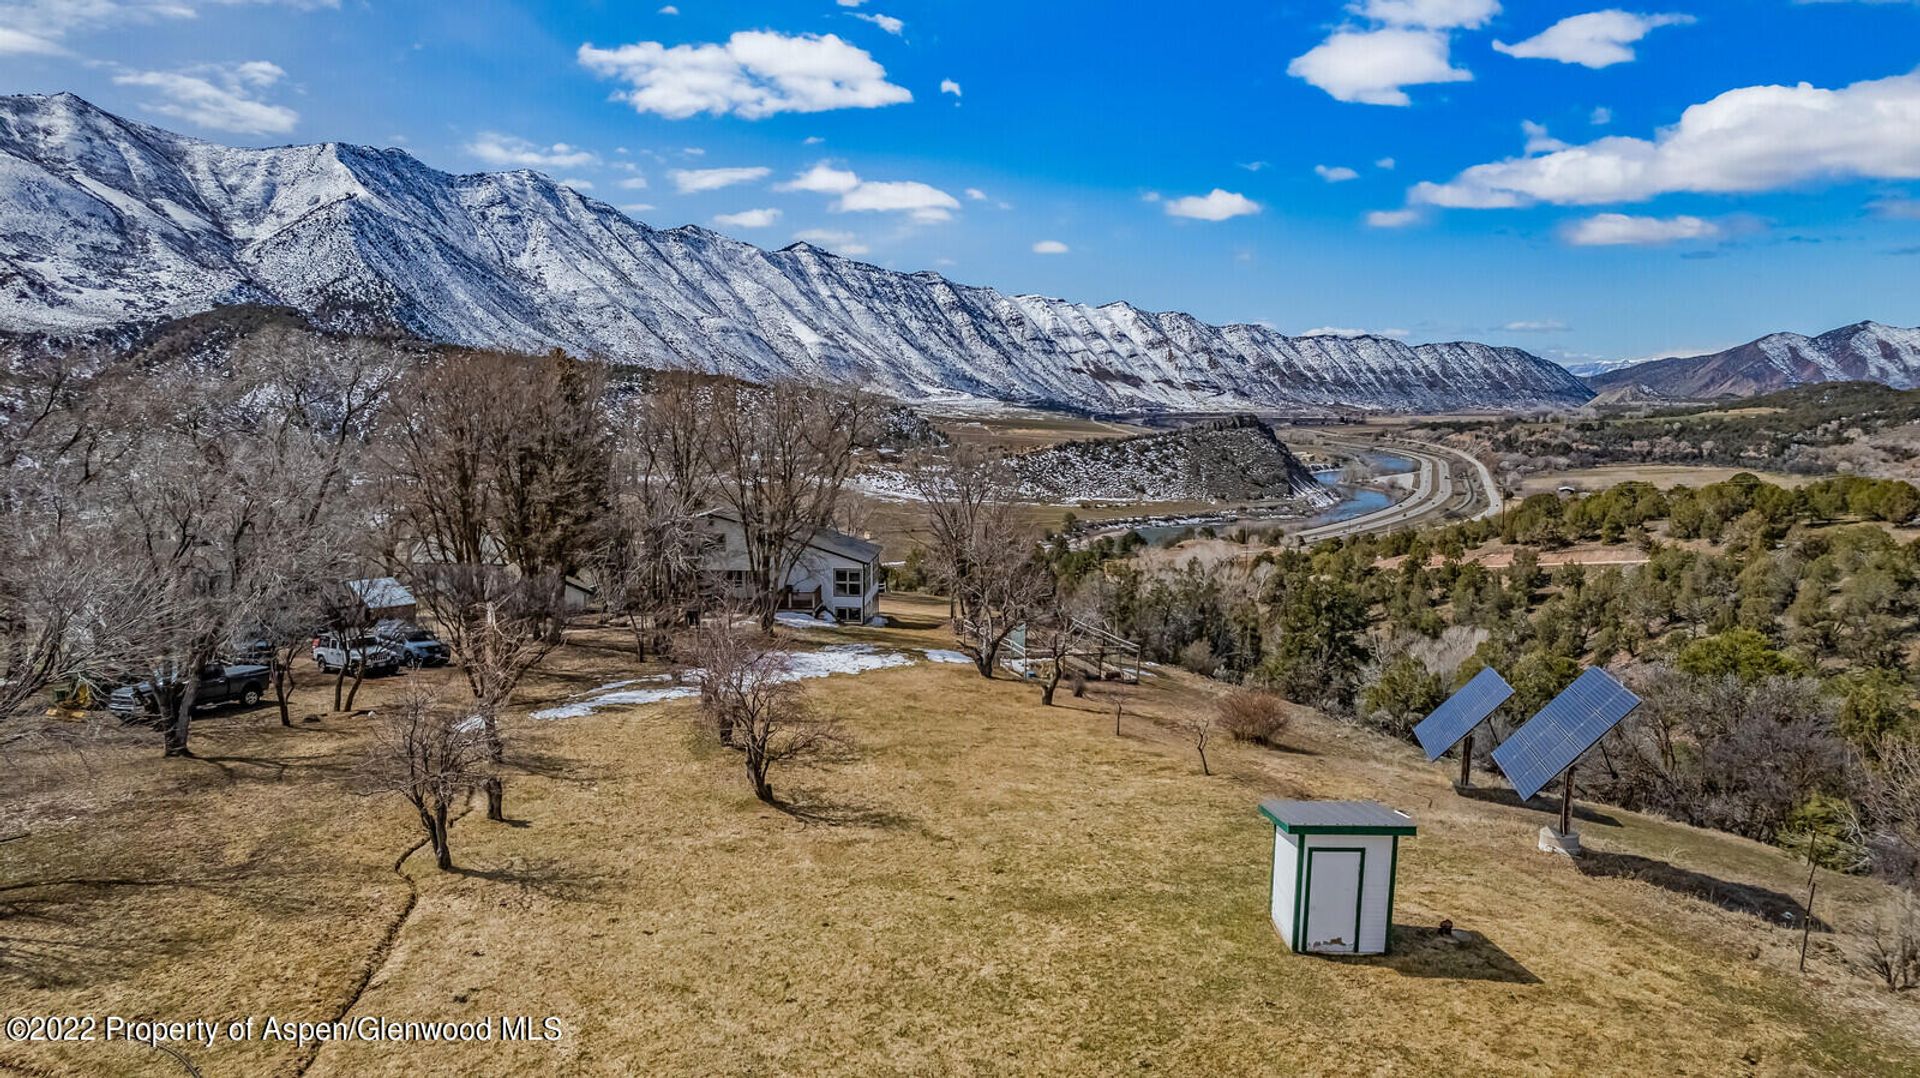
x=849 y=582
x=737 y=578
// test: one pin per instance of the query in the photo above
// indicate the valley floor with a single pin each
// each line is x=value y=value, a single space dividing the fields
x=981 y=886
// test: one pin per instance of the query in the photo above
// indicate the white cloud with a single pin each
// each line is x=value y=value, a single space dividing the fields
x=1431 y=14
x=1538 y=141
x=1392 y=218
x=1595 y=39
x=845 y=243
x=633 y=183
x=1347 y=331
x=1898 y=209
x=1150 y=196
x=1386 y=163
x=747 y=218
x=689 y=181
x=1601 y=116
x=1755 y=138
x=1216 y=205
x=1370 y=67
x=1255 y=166
x=922 y=202
x=40 y=26
x=851 y=3
x=669 y=10
x=1335 y=173
x=948 y=86
x=757 y=73
x=975 y=194
x=885 y=22
x=1548 y=325
x=1049 y=247
x=222 y=97
x=21 y=43
x=812 y=140
x=1616 y=229
x=637 y=207
x=507 y=151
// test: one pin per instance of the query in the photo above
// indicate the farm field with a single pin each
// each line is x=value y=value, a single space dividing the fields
x=980 y=885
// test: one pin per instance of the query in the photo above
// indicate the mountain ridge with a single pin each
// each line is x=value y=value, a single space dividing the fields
x=1862 y=351
x=108 y=223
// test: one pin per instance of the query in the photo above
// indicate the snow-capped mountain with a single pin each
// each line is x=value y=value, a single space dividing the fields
x=107 y=223
x=1862 y=352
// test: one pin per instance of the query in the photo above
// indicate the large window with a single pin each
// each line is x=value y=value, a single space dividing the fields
x=849 y=582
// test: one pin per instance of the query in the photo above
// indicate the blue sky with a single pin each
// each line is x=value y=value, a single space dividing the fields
x=1433 y=169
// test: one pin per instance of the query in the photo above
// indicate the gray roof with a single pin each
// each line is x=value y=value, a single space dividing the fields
x=1336 y=818
x=825 y=539
x=381 y=592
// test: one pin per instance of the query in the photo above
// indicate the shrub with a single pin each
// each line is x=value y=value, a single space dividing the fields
x=1251 y=715
x=1198 y=658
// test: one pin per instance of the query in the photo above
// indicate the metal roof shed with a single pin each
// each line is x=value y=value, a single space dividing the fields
x=1333 y=873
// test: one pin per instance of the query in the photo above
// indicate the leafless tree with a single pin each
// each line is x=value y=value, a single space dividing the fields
x=1891 y=944
x=649 y=565
x=748 y=693
x=1893 y=802
x=432 y=755
x=981 y=552
x=1199 y=727
x=781 y=455
x=1055 y=635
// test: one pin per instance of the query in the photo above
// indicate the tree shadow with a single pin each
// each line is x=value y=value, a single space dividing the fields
x=1421 y=951
x=817 y=809
x=1503 y=795
x=548 y=878
x=1771 y=906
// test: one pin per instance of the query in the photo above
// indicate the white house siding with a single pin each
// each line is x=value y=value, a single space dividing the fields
x=1376 y=883
x=1285 y=862
x=813 y=572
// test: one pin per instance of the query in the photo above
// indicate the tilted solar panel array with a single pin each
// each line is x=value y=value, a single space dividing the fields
x=1461 y=712
x=1571 y=724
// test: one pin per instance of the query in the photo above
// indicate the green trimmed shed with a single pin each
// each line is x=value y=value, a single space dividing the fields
x=1333 y=873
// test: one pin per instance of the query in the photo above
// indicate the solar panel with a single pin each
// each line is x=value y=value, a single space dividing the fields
x=1571 y=724
x=1461 y=712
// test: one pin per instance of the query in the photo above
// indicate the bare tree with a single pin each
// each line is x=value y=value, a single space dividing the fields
x=1891 y=945
x=431 y=754
x=981 y=552
x=748 y=693
x=781 y=455
x=1055 y=635
x=649 y=565
x=1199 y=727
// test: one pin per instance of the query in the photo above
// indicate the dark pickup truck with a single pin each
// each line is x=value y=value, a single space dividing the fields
x=244 y=684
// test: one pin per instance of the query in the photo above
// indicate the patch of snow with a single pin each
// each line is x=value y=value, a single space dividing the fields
x=577 y=709
x=878 y=621
x=944 y=655
x=793 y=619
x=801 y=666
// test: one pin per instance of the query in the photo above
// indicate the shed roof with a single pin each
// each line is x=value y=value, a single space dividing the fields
x=1336 y=818
x=381 y=592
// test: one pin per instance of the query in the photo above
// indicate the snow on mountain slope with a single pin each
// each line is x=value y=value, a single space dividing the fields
x=1862 y=352
x=106 y=223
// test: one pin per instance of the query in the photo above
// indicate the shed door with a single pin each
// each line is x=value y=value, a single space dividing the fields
x=1334 y=878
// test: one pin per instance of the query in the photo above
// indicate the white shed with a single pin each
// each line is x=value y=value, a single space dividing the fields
x=1333 y=870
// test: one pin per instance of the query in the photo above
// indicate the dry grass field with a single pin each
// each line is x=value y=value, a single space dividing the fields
x=1660 y=475
x=978 y=886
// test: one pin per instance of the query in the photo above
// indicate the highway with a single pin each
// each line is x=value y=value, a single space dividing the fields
x=1446 y=483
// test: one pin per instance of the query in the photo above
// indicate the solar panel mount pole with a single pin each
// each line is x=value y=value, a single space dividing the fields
x=1466 y=761
x=1566 y=804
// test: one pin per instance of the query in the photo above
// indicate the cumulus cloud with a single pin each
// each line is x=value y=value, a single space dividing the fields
x=1335 y=173
x=1595 y=39
x=1386 y=163
x=747 y=218
x=1392 y=218
x=921 y=202
x=669 y=10
x=1049 y=247
x=222 y=97
x=975 y=194
x=1618 y=229
x=1538 y=140
x=633 y=183
x=885 y=22
x=755 y=74
x=1349 y=332
x=1601 y=116
x=20 y=43
x=1371 y=67
x=845 y=243
x=690 y=181
x=1215 y=205
x=577 y=183
x=948 y=86
x=1755 y=138
x=1432 y=14
x=507 y=151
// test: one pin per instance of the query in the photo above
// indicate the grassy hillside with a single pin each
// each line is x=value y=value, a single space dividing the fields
x=981 y=886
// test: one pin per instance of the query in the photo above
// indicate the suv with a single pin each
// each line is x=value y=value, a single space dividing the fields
x=415 y=646
x=354 y=654
x=244 y=684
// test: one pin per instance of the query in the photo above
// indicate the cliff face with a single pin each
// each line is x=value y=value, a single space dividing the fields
x=1238 y=459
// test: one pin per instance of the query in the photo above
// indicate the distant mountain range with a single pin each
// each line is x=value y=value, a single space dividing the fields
x=1862 y=352
x=111 y=225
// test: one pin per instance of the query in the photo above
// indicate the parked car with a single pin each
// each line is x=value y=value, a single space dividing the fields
x=354 y=654
x=243 y=684
x=416 y=646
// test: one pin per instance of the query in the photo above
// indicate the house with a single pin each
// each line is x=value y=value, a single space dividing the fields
x=837 y=576
x=385 y=598
x=1333 y=873
x=576 y=595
